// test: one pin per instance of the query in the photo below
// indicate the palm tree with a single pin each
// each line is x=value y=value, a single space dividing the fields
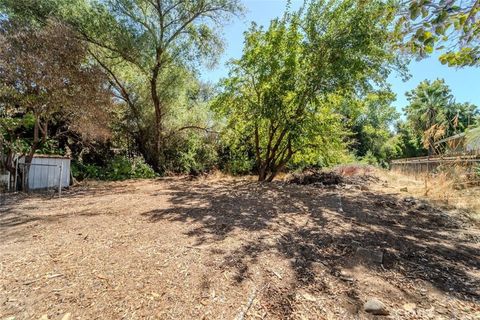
x=427 y=112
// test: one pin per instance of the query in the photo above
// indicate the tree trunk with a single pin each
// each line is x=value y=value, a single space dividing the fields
x=147 y=150
x=36 y=139
x=158 y=109
x=262 y=173
x=31 y=153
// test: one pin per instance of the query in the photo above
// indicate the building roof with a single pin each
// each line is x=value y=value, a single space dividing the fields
x=51 y=156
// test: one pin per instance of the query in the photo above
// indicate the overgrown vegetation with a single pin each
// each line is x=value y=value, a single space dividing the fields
x=115 y=84
x=119 y=168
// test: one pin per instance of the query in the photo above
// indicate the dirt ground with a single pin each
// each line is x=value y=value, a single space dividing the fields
x=176 y=248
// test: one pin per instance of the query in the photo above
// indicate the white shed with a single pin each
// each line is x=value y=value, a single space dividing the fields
x=46 y=171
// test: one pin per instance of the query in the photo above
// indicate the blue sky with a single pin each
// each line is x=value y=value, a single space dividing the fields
x=465 y=82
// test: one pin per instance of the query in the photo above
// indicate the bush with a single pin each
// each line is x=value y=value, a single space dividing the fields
x=119 y=168
x=191 y=154
x=236 y=159
x=239 y=164
x=141 y=170
x=369 y=158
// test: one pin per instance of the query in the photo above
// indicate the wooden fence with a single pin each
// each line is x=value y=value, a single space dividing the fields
x=465 y=163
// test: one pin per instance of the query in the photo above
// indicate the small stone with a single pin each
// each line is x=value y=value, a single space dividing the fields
x=363 y=188
x=344 y=273
x=347 y=279
x=442 y=310
x=345 y=276
x=409 y=200
x=404 y=189
x=376 y=307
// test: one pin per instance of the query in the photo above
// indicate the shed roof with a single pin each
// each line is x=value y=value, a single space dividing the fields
x=51 y=156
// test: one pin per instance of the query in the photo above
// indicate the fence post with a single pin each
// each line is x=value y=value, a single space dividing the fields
x=16 y=174
x=23 y=178
x=60 y=182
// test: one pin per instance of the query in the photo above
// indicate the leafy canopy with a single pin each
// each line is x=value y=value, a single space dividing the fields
x=432 y=113
x=147 y=48
x=277 y=94
x=45 y=77
x=452 y=27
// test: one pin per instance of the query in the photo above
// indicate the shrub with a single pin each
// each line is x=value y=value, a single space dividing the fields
x=191 y=154
x=119 y=168
x=369 y=158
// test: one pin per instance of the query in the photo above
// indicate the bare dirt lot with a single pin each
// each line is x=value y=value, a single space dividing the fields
x=175 y=248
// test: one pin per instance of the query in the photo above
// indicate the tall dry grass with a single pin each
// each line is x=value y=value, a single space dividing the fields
x=443 y=188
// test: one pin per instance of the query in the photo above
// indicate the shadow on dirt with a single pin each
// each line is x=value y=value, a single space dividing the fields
x=14 y=214
x=418 y=242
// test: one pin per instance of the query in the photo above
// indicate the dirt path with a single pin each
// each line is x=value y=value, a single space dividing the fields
x=179 y=249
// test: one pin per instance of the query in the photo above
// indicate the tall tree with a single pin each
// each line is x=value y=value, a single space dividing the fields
x=371 y=125
x=44 y=74
x=277 y=92
x=433 y=113
x=142 y=44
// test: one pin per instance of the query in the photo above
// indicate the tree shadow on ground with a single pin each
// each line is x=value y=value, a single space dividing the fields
x=312 y=226
x=219 y=210
x=15 y=216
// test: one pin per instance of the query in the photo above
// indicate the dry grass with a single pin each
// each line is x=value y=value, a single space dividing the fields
x=440 y=189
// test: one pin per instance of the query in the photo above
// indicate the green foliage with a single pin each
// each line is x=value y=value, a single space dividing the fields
x=45 y=80
x=450 y=27
x=148 y=49
x=119 y=168
x=309 y=90
x=236 y=154
x=191 y=154
x=12 y=129
x=409 y=143
x=371 y=120
x=433 y=114
x=369 y=158
x=239 y=164
x=277 y=95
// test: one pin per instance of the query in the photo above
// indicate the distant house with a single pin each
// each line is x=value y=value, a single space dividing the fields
x=457 y=144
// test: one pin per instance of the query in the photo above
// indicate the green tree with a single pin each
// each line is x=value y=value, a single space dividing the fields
x=372 y=126
x=144 y=46
x=409 y=143
x=427 y=111
x=277 y=94
x=432 y=113
x=452 y=27
x=44 y=77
